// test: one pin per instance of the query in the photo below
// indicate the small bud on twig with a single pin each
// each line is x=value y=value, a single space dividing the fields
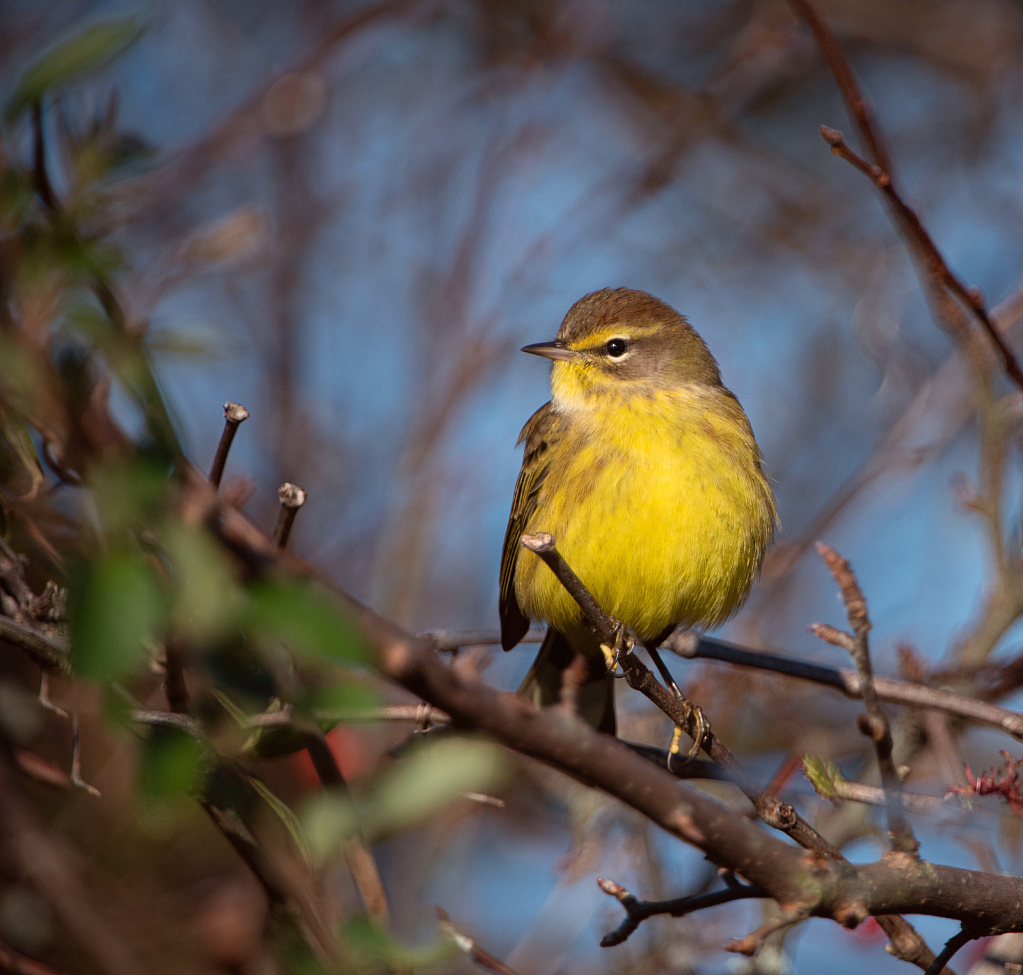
x=234 y=415
x=292 y=498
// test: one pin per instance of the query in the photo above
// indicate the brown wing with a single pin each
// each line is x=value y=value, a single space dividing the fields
x=541 y=431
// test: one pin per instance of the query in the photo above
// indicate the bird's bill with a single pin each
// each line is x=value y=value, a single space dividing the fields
x=551 y=350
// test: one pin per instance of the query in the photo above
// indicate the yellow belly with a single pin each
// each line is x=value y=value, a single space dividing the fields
x=660 y=507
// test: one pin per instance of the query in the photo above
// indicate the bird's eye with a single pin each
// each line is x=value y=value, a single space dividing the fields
x=616 y=348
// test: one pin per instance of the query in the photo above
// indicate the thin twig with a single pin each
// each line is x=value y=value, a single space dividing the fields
x=637 y=911
x=40 y=175
x=292 y=498
x=858 y=106
x=44 y=695
x=884 y=178
x=951 y=947
x=361 y=864
x=754 y=941
x=467 y=945
x=234 y=415
x=76 y=759
x=876 y=724
x=935 y=263
x=174 y=686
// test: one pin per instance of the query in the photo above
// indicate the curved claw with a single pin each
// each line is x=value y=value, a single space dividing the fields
x=613 y=655
x=702 y=730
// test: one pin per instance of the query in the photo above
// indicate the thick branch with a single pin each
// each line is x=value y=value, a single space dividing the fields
x=843 y=891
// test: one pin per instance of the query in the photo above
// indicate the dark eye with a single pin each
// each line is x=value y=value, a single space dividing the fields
x=616 y=348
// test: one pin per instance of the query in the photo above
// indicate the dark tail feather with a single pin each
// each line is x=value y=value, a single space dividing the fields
x=596 y=697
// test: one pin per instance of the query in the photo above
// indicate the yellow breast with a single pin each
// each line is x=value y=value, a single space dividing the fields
x=659 y=504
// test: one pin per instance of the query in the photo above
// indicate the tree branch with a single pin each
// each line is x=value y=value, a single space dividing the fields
x=883 y=177
x=637 y=911
x=875 y=725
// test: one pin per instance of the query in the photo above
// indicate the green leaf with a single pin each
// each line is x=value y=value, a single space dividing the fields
x=88 y=51
x=823 y=773
x=129 y=493
x=285 y=814
x=430 y=777
x=208 y=600
x=173 y=764
x=328 y=820
x=15 y=433
x=374 y=946
x=303 y=617
x=116 y=608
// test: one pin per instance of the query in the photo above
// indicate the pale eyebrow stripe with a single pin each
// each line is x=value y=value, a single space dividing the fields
x=614 y=332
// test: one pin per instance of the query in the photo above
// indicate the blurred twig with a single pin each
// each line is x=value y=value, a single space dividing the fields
x=880 y=171
x=467 y=945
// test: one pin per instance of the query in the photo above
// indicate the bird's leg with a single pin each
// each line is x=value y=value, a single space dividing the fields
x=690 y=709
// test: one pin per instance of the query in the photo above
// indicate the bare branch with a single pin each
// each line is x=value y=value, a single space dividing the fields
x=76 y=759
x=49 y=653
x=467 y=945
x=361 y=864
x=876 y=724
x=637 y=911
x=951 y=947
x=292 y=498
x=882 y=175
x=234 y=415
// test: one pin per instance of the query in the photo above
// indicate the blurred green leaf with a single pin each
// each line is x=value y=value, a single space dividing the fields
x=173 y=764
x=374 y=945
x=305 y=619
x=129 y=493
x=285 y=814
x=428 y=779
x=207 y=597
x=19 y=371
x=823 y=773
x=15 y=433
x=431 y=776
x=341 y=701
x=328 y=820
x=116 y=607
x=88 y=51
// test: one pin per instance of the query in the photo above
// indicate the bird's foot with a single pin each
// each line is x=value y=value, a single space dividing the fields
x=701 y=732
x=623 y=644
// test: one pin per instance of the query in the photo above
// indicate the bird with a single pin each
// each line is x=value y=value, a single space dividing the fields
x=644 y=468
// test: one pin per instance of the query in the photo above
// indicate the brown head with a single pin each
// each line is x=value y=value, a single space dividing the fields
x=625 y=342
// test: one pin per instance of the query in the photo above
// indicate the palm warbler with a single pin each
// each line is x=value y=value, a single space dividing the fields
x=644 y=468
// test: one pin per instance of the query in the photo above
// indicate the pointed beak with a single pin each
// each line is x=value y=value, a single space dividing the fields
x=551 y=350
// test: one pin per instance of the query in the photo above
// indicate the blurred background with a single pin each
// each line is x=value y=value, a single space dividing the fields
x=349 y=217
